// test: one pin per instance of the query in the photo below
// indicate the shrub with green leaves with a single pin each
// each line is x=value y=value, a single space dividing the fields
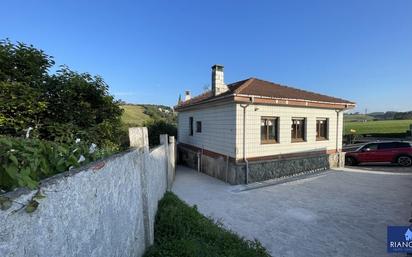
x=182 y=231
x=158 y=127
x=20 y=107
x=24 y=162
x=59 y=107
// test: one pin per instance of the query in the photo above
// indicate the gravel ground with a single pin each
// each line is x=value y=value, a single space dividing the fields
x=336 y=213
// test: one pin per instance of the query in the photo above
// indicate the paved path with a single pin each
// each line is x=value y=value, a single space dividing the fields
x=337 y=213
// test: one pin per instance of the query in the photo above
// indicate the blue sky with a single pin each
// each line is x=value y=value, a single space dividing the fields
x=151 y=51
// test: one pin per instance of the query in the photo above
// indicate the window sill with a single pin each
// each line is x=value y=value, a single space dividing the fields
x=269 y=142
x=321 y=139
x=298 y=140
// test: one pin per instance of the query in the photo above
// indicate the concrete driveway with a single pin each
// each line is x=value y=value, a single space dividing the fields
x=336 y=213
x=387 y=167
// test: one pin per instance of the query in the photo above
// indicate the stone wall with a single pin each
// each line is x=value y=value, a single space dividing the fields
x=188 y=157
x=235 y=173
x=106 y=208
x=264 y=170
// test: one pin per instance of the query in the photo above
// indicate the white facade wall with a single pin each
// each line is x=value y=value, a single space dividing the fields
x=218 y=128
x=222 y=129
x=254 y=148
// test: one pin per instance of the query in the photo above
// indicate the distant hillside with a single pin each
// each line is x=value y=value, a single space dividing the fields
x=139 y=114
x=378 y=116
x=402 y=115
x=357 y=117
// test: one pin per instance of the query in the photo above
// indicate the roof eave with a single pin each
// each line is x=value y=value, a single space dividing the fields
x=214 y=99
x=348 y=104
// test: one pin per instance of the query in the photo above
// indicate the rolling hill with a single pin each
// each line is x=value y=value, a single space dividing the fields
x=139 y=114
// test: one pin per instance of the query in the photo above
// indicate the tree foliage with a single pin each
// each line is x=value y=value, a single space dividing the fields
x=24 y=63
x=61 y=106
x=403 y=115
x=20 y=107
x=158 y=127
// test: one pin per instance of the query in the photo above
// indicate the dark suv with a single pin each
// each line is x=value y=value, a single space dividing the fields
x=395 y=152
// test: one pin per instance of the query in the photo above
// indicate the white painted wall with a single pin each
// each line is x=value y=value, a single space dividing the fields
x=105 y=209
x=218 y=129
x=254 y=148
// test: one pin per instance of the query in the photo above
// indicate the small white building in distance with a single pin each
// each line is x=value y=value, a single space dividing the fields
x=253 y=130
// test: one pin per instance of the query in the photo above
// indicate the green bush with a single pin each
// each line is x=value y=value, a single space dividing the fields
x=20 y=107
x=182 y=231
x=59 y=107
x=157 y=127
x=24 y=162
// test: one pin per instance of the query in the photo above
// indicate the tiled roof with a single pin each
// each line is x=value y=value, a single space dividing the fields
x=258 y=87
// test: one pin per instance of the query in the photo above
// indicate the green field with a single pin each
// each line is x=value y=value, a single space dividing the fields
x=133 y=115
x=381 y=126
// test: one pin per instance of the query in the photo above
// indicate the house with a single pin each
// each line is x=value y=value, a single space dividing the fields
x=254 y=130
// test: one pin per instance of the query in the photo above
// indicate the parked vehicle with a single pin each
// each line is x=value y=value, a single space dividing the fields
x=394 y=152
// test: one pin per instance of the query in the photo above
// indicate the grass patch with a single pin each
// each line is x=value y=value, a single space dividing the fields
x=182 y=231
x=134 y=115
x=378 y=127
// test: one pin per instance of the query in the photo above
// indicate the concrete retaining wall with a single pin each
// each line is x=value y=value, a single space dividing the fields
x=235 y=173
x=106 y=208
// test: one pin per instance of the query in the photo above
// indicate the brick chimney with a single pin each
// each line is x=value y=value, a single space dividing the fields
x=187 y=95
x=218 y=83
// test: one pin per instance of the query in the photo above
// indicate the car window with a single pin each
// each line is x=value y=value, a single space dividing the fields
x=371 y=147
x=387 y=145
x=402 y=144
x=393 y=145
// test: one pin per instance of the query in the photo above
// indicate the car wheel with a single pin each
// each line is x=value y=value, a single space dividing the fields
x=404 y=161
x=350 y=161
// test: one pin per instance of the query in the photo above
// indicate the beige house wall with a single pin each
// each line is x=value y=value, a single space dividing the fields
x=222 y=129
x=254 y=147
x=218 y=128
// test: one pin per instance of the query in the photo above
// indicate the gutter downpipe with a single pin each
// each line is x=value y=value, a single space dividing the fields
x=198 y=161
x=244 y=106
x=337 y=136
